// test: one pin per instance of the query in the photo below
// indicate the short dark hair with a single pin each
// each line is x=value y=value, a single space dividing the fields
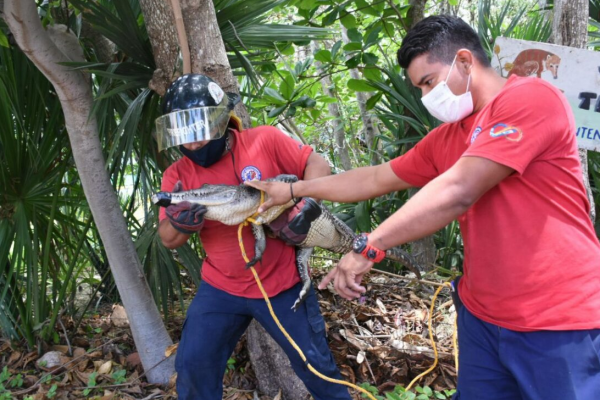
x=440 y=36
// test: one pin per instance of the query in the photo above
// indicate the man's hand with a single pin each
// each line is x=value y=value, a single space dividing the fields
x=277 y=193
x=186 y=217
x=347 y=276
x=293 y=225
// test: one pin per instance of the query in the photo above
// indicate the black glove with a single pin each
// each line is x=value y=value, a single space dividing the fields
x=186 y=217
x=293 y=225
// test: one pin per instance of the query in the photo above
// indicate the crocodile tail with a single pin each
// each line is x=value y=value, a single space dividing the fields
x=399 y=255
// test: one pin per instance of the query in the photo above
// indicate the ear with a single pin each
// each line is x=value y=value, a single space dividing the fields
x=464 y=61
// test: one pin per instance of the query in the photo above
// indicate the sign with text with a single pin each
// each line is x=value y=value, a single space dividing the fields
x=576 y=72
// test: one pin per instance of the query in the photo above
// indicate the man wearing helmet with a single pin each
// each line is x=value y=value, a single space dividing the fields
x=198 y=117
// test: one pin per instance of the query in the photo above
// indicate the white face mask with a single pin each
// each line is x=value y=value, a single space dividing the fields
x=445 y=105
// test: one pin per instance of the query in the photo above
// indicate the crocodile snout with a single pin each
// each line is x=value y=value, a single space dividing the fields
x=162 y=199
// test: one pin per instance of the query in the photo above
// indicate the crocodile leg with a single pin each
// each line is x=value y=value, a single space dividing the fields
x=302 y=257
x=260 y=244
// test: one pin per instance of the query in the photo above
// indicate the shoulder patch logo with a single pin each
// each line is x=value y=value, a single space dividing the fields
x=511 y=133
x=476 y=133
x=250 y=173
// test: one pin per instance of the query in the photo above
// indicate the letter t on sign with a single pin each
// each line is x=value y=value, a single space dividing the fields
x=586 y=98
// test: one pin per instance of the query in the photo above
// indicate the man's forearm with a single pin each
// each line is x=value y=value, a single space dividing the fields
x=440 y=202
x=352 y=186
x=432 y=208
x=171 y=237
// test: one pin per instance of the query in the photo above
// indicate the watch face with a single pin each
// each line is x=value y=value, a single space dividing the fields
x=359 y=244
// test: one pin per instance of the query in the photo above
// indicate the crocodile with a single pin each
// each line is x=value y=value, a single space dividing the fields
x=233 y=205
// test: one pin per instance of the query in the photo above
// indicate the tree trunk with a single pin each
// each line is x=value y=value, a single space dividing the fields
x=47 y=49
x=339 y=135
x=268 y=359
x=423 y=249
x=209 y=57
x=369 y=128
x=416 y=11
x=160 y=24
x=207 y=49
x=569 y=28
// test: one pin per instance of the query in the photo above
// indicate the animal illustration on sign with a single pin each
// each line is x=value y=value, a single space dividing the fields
x=535 y=61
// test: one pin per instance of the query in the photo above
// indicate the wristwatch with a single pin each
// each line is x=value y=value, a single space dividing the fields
x=361 y=246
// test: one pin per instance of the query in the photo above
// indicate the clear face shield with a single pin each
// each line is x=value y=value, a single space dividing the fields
x=192 y=125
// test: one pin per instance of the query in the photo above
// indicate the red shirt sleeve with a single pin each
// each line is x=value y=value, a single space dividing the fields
x=514 y=135
x=417 y=166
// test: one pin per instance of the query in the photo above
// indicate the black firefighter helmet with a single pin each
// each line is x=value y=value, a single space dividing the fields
x=195 y=109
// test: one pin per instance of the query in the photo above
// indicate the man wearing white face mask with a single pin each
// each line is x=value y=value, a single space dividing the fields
x=506 y=165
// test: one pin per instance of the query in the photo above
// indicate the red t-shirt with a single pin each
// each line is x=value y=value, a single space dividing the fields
x=532 y=259
x=259 y=153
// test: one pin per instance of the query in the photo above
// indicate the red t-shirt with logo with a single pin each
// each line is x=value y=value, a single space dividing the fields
x=532 y=258
x=259 y=153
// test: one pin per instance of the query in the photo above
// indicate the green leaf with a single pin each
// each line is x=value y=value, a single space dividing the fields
x=360 y=85
x=370 y=59
x=353 y=61
x=349 y=21
x=352 y=46
x=330 y=18
x=373 y=100
x=327 y=99
x=372 y=73
x=453 y=2
x=276 y=111
x=287 y=48
x=323 y=56
x=274 y=95
x=304 y=101
x=363 y=218
x=119 y=376
x=373 y=36
x=3 y=39
x=291 y=112
x=354 y=35
x=336 y=48
x=366 y=8
x=307 y=4
x=52 y=392
x=286 y=88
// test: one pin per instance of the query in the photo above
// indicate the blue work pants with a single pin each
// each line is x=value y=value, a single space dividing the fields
x=500 y=364
x=214 y=324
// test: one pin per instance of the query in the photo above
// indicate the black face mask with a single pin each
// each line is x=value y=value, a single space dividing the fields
x=207 y=155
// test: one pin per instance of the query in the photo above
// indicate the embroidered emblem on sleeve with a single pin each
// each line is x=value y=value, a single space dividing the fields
x=511 y=133
x=251 y=172
x=476 y=133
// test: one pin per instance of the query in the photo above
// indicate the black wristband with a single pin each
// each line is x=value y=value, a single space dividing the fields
x=296 y=201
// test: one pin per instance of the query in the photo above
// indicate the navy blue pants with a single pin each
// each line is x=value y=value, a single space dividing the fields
x=500 y=364
x=214 y=324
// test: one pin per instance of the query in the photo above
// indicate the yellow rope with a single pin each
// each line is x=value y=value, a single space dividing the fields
x=435 y=352
x=301 y=353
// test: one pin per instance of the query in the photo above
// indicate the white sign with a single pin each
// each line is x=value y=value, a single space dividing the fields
x=576 y=72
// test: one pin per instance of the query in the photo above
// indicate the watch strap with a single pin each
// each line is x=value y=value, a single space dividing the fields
x=372 y=253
